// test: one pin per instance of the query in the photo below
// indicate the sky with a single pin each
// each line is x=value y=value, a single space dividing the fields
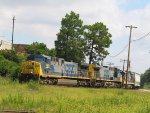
x=40 y=20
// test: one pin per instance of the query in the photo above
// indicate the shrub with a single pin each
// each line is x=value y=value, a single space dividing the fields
x=15 y=72
x=147 y=85
x=10 y=64
x=9 y=68
x=1 y=58
x=4 y=67
x=9 y=55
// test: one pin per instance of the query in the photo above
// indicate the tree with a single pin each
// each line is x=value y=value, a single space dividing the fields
x=37 y=48
x=52 y=52
x=145 y=78
x=70 y=44
x=98 y=39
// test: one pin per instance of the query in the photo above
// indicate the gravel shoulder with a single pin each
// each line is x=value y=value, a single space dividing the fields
x=144 y=90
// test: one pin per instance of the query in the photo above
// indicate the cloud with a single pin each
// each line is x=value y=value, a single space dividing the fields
x=39 y=20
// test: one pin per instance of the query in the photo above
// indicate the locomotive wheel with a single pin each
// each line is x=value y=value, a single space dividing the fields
x=102 y=84
x=78 y=83
x=54 y=81
x=92 y=84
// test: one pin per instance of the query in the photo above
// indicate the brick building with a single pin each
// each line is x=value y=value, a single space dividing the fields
x=20 y=48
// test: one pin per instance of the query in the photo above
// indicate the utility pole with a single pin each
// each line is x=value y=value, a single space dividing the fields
x=123 y=60
x=13 y=32
x=128 y=61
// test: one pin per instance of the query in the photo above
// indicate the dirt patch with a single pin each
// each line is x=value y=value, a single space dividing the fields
x=144 y=90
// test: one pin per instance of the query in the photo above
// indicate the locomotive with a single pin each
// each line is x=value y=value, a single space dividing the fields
x=48 y=70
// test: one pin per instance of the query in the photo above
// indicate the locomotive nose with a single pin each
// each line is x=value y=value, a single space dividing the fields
x=31 y=67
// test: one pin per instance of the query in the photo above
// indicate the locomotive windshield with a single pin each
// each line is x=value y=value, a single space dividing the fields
x=39 y=58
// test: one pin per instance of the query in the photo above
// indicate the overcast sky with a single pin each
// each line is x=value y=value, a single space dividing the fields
x=39 y=20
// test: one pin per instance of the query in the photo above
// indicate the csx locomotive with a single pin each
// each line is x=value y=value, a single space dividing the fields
x=49 y=70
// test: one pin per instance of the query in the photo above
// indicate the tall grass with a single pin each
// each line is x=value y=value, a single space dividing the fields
x=58 y=99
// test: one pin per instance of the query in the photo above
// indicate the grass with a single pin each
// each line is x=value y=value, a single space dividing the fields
x=59 y=99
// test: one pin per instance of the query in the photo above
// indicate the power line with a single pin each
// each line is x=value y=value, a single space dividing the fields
x=120 y=51
x=131 y=42
x=141 y=37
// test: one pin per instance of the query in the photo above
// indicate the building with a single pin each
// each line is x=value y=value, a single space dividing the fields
x=4 y=45
x=20 y=48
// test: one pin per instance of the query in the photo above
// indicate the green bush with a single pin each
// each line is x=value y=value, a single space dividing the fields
x=9 y=55
x=9 y=68
x=10 y=64
x=1 y=58
x=15 y=72
x=5 y=66
x=147 y=85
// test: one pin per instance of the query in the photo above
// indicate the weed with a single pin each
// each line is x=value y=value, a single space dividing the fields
x=33 y=85
x=55 y=99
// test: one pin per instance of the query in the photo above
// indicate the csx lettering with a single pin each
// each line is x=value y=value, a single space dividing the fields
x=69 y=68
x=29 y=67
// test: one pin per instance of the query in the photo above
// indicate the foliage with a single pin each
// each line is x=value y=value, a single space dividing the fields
x=52 y=52
x=147 y=85
x=15 y=72
x=145 y=78
x=33 y=85
x=9 y=68
x=10 y=55
x=37 y=48
x=6 y=67
x=70 y=44
x=1 y=58
x=58 y=99
x=98 y=39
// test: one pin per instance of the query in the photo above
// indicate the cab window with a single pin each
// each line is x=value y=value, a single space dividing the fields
x=38 y=59
x=47 y=60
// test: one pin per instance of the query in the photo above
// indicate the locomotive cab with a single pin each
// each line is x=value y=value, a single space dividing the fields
x=34 y=67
